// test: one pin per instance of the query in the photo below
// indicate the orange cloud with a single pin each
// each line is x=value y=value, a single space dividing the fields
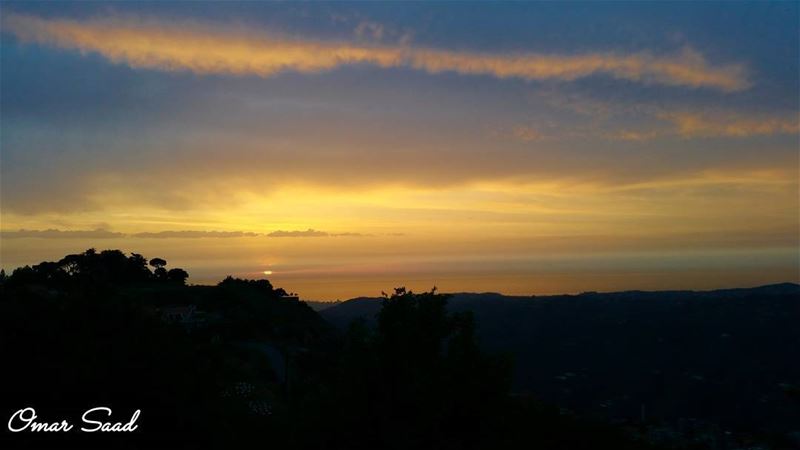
x=652 y=121
x=207 y=49
x=526 y=133
x=692 y=124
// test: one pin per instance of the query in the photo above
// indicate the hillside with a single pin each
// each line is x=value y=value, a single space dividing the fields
x=241 y=362
x=725 y=357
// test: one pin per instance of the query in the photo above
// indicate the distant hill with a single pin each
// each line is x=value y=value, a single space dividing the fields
x=319 y=306
x=345 y=312
x=342 y=313
x=726 y=356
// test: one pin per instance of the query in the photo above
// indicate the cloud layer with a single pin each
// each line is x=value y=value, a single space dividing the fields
x=194 y=234
x=207 y=49
x=312 y=233
x=52 y=233
x=642 y=121
x=695 y=124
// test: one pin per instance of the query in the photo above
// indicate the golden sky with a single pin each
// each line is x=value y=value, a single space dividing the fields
x=348 y=149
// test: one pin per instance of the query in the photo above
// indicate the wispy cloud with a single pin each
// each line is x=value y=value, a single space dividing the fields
x=643 y=121
x=195 y=234
x=52 y=233
x=526 y=133
x=313 y=233
x=695 y=124
x=369 y=29
x=306 y=233
x=350 y=234
x=212 y=49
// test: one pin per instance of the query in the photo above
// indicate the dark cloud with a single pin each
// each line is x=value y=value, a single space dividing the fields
x=52 y=233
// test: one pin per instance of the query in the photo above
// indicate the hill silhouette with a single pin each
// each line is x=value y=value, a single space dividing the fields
x=723 y=359
x=241 y=362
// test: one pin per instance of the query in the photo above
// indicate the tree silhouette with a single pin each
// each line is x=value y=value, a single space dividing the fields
x=419 y=378
x=177 y=275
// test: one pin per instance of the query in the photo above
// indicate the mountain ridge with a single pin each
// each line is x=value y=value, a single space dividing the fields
x=727 y=352
x=355 y=307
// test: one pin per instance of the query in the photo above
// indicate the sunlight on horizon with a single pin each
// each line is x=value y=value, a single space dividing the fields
x=540 y=159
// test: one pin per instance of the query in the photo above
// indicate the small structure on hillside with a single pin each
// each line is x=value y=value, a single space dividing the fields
x=187 y=316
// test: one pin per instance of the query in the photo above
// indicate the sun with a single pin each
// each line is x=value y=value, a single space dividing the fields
x=267 y=272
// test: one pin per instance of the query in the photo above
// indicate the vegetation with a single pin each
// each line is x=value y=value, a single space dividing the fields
x=683 y=367
x=240 y=363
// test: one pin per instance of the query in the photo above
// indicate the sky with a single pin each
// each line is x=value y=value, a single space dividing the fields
x=342 y=149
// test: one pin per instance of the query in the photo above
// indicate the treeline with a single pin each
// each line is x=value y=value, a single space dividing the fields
x=264 y=368
x=95 y=268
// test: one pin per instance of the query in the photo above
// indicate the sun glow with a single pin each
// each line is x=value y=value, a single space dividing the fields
x=354 y=164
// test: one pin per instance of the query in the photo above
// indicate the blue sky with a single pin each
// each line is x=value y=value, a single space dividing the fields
x=635 y=126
